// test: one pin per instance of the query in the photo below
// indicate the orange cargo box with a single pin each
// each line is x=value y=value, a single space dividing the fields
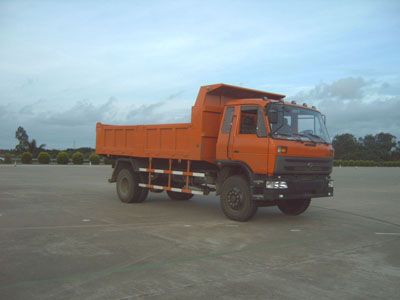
x=194 y=141
x=169 y=140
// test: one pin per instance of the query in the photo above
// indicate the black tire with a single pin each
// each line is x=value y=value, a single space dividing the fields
x=293 y=207
x=236 y=201
x=128 y=189
x=179 y=196
x=143 y=195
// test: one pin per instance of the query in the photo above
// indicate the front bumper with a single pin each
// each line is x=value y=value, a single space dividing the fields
x=298 y=187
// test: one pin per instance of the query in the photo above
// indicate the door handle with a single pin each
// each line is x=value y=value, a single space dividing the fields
x=236 y=151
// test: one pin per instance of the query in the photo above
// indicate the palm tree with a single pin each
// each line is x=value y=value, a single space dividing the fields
x=25 y=144
x=33 y=148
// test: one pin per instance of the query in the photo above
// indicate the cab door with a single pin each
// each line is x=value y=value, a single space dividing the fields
x=225 y=134
x=248 y=140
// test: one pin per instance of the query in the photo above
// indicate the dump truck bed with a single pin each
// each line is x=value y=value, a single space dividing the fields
x=163 y=141
x=195 y=141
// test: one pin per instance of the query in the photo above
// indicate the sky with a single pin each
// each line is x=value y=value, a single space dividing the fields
x=65 y=65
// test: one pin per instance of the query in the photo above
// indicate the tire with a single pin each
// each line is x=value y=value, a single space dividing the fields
x=293 y=207
x=143 y=195
x=179 y=196
x=128 y=189
x=236 y=201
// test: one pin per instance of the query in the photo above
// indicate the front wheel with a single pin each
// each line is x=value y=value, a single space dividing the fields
x=236 y=201
x=293 y=207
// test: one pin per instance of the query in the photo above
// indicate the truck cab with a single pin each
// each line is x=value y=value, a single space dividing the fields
x=286 y=146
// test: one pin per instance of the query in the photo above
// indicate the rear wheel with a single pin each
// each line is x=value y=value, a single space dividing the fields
x=293 y=207
x=128 y=189
x=179 y=196
x=236 y=201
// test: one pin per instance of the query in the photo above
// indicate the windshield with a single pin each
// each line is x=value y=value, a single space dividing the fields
x=297 y=123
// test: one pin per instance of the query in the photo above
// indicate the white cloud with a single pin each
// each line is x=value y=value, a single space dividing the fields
x=355 y=105
x=345 y=88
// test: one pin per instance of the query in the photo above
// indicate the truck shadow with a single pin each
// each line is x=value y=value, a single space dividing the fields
x=208 y=207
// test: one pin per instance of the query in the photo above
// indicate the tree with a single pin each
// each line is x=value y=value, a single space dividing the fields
x=44 y=158
x=77 y=158
x=396 y=152
x=346 y=146
x=26 y=158
x=22 y=137
x=378 y=147
x=33 y=148
x=369 y=148
x=386 y=143
x=62 y=158
x=24 y=145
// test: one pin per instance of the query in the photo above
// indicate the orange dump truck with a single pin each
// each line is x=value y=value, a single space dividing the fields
x=249 y=147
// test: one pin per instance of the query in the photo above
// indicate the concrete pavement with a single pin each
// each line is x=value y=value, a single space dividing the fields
x=65 y=235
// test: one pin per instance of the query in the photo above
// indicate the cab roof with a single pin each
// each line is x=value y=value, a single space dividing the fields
x=254 y=101
x=238 y=92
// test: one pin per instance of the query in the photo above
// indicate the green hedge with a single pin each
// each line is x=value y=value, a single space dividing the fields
x=62 y=158
x=26 y=158
x=394 y=163
x=43 y=158
x=77 y=158
x=365 y=163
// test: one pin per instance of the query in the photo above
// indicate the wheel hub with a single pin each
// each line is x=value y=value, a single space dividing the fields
x=124 y=185
x=235 y=199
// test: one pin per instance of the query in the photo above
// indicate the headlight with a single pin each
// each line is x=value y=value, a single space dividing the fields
x=276 y=185
x=330 y=183
x=282 y=149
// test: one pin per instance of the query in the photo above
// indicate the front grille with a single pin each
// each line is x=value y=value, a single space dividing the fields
x=303 y=165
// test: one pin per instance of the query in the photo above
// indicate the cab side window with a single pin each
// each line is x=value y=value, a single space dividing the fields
x=227 y=123
x=248 y=120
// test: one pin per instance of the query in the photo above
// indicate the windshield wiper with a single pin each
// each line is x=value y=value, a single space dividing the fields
x=289 y=135
x=320 y=137
x=313 y=137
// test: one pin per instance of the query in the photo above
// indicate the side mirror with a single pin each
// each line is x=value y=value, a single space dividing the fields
x=273 y=116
